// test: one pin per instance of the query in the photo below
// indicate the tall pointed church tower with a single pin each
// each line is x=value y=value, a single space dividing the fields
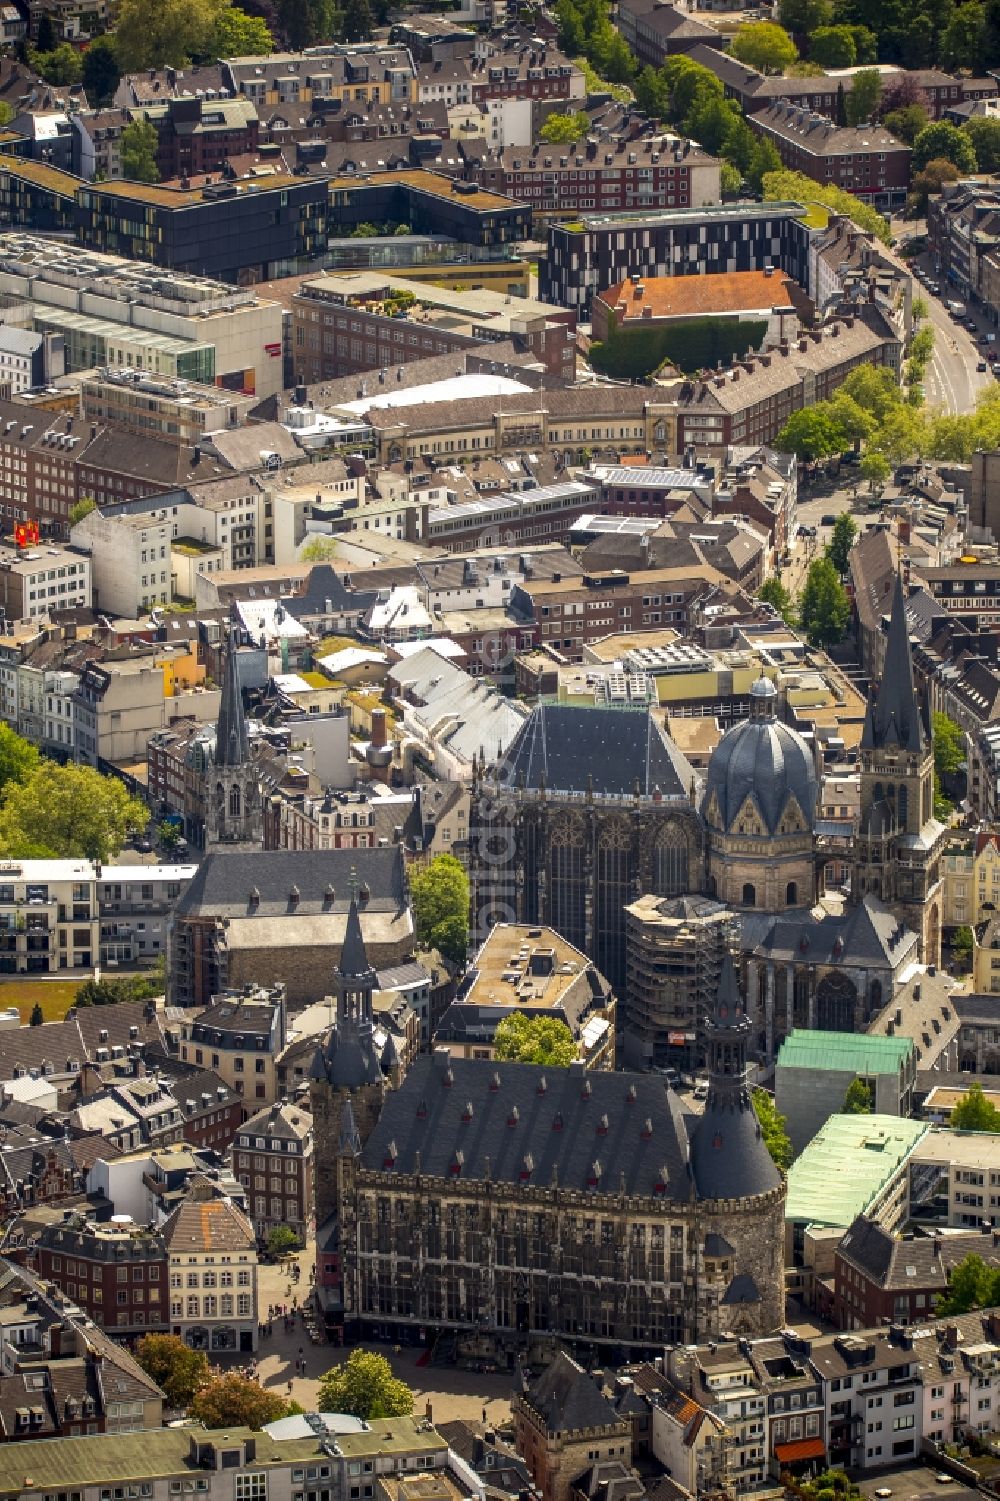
x=233 y=808
x=347 y=1089
x=897 y=855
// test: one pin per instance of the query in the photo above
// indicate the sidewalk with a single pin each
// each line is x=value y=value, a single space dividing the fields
x=451 y=1393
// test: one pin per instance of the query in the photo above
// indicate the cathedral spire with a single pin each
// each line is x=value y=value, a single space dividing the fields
x=232 y=739
x=893 y=718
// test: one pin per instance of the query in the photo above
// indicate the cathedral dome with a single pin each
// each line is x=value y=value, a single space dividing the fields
x=762 y=759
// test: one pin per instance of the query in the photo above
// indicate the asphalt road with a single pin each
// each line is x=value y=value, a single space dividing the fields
x=953 y=382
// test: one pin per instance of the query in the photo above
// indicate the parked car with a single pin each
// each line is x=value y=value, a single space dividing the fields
x=982 y=367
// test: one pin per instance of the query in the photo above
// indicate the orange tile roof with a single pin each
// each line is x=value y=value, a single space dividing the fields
x=682 y=296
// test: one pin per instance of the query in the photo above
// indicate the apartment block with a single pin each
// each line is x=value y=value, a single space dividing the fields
x=585 y=256
x=49 y=918
x=37 y=581
x=865 y=160
x=620 y=173
x=116 y=1272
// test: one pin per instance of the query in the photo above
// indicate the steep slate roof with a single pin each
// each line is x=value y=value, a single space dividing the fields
x=558 y=1126
x=894 y=716
x=232 y=740
x=612 y=749
x=567 y=1400
x=868 y=933
x=77 y=1037
x=226 y=877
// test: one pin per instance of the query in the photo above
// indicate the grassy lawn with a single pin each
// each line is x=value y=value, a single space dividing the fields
x=54 y=996
x=816 y=216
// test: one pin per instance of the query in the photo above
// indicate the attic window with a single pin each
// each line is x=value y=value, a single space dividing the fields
x=514 y=1117
x=457 y=1163
x=647 y=1129
x=660 y=1186
x=448 y=1078
x=542 y=1085
x=389 y=1160
x=630 y=1096
x=587 y=1090
x=602 y=1126
x=422 y=1111
x=467 y=1112
x=594 y=1176
x=527 y=1167
x=557 y=1121
x=495 y=1084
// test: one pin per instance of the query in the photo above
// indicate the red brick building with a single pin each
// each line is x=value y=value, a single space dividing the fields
x=865 y=160
x=880 y=1279
x=116 y=1272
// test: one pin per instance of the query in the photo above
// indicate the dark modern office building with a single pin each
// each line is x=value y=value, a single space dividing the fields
x=430 y=204
x=590 y=254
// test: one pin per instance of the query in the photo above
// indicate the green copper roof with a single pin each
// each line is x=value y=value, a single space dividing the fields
x=844 y=1053
x=847 y=1165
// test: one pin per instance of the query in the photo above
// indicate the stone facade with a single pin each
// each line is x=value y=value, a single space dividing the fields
x=575 y=863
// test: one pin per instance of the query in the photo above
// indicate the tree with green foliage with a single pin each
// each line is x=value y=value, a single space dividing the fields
x=850 y=417
x=875 y=468
x=178 y=1370
x=240 y=35
x=139 y=141
x=652 y=94
x=65 y=812
x=984 y=133
x=925 y=184
x=810 y=434
x=907 y=122
x=730 y=180
x=230 y=1399
x=804 y=17
x=795 y=187
x=861 y=104
x=962 y=944
x=764 y=161
x=942 y=141
x=168 y=834
x=119 y=990
x=922 y=345
x=949 y=758
x=101 y=73
x=841 y=541
x=972 y=1284
x=765 y=46
x=833 y=47
x=874 y=388
x=773 y=592
x=949 y=745
x=62 y=66
x=974 y=1112
x=774 y=1129
x=19 y=759
x=165 y=33
x=563 y=130
x=520 y=1038
x=46 y=40
x=37 y=1015
x=365 y=1387
x=282 y=1241
x=357 y=21
x=919 y=310
x=824 y=609
x=962 y=40
x=82 y=508
x=439 y=895
x=858 y=1099
x=319 y=550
